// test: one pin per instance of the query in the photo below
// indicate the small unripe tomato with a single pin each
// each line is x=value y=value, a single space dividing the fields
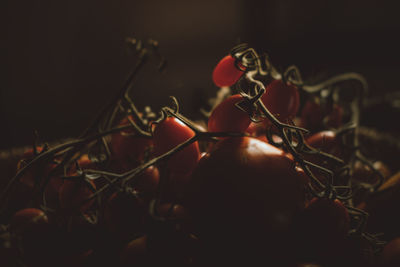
x=226 y=117
x=170 y=133
x=74 y=192
x=226 y=73
x=281 y=99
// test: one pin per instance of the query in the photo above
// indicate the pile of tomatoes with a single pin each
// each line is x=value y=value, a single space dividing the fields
x=273 y=176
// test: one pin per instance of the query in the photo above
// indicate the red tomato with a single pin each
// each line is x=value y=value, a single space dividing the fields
x=135 y=253
x=124 y=214
x=226 y=73
x=325 y=141
x=321 y=229
x=177 y=211
x=311 y=116
x=168 y=134
x=147 y=182
x=391 y=253
x=281 y=99
x=74 y=192
x=27 y=220
x=335 y=117
x=226 y=117
x=245 y=193
x=129 y=150
x=256 y=129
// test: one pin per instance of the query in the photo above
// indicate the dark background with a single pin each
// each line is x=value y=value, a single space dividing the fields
x=62 y=60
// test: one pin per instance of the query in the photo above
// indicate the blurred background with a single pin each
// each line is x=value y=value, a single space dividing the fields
x=62 y=60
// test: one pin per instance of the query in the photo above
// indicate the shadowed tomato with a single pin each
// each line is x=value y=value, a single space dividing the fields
x=243 y=194
x=321 y=229
x=124 y=214
x=128 y=148
x=391 y=253
x=135 y=253
x=281 y=99
x=327 y=142
x=147 y=182
x=226 y=73
x=168 y=134
x=226 y=117
x=256 y=129
x=74 y=191
x=27 y=220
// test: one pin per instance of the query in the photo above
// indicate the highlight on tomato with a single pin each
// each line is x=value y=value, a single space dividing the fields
x=168 y=134
x=244 y=193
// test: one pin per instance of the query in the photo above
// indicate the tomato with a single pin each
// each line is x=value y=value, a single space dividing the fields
x=176 y=212
x=321 y=229
x=391 y=253
x=135 y=253
x=245 y=193
x=168 y=134
x=226 y=73
x=124 y=214
x=326 y=141
x=28 y=219
x=363 y=173
x=147 y=182
x=256 y=129
x=314 y=117
x=128 y=149
x=226 y=117
x=74 y=192
x=281 y=99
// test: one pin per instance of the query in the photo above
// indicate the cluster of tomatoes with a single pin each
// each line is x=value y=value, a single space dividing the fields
x=249 y=188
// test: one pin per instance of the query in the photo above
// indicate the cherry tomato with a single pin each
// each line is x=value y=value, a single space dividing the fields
x=226 y=73
x=175 y=212
x=74 y=192
x=391 y=253
x=128 y=149
x=281 y=99
x=124 y=214
x=168 y=134
x=321 y=229
x=135 y=253
x=363 y=173
x=325 y=141
x=226 y=117
x=334 y=117
x=311 y=116
x=147 y=182
x=27 y=220
x=246 y=191
x=256 y=129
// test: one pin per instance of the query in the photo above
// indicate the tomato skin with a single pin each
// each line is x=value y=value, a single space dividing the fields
x=321 y=229
x=243 y=192
x=74 y=192
x=128 y=149
x=281 y=99
x=135 y=253
x=147 y=182
x=226 y=117
x=226 y=73
x=168 y=134
x=26 y=219
x=124 y=214
x=391 y=253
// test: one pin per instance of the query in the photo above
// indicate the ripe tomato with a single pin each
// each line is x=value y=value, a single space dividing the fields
x=281 y=99
x=321 y=229
x=311 y=116
x=391 y=253
x=226 y=117
x=135 y=253
x=74 y=192
x=124 y=214
x=226 y=73
x=168 y=134
x=27 y=220
x=243 y=194
x=256 y=129
x=147 y=182
x=128 y=149
x=325 y=141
